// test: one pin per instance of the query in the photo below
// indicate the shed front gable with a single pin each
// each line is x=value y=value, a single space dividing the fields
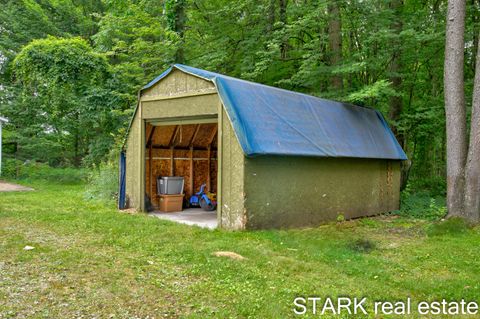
x=177 y=83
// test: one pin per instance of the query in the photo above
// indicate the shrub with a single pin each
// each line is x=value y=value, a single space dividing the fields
x=422 y=205
x=103 y=182
x=435 y=186
x=29 y=170
x=10 y=168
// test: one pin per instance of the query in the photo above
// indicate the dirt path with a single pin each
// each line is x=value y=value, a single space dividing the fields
x=8 y=187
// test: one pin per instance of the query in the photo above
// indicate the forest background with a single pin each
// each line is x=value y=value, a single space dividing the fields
x=70 y=70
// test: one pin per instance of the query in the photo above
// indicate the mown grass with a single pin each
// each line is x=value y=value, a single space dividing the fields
x=92 y=261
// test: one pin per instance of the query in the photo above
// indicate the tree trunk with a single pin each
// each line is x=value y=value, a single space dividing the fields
x=180 y=29
x=472 y=168
x=455 y=107
x=476 y=34
x=283 y=19
x=396 y=102
x=271 y=16
x=335 y=41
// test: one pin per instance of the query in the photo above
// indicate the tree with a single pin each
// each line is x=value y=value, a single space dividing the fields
x=463 y=170
x=176 y=21
x=396 y=101
x=137 y=43
x=472 y=167
x=283 y=20
x=59 y=79
x=335 y=41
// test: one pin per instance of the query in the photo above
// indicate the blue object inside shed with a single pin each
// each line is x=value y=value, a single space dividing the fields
x=273 y=121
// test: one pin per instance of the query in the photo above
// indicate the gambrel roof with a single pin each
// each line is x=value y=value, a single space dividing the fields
x=274 y=121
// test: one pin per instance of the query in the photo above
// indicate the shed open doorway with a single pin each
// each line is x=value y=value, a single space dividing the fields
x=187 y=149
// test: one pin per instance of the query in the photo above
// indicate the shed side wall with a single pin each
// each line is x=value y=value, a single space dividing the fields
x=284 y=192
x=132 y=178
x=232 y=178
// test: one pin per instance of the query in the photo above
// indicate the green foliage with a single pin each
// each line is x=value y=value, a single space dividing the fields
x=170 y=9
x=136 y=42
x=66 y=109
x=103 y=181
x=34 y=171
x=435 y=186
x=24 y=20
x=52 y=64
x=376 y=91
x=421 y=205
x=451 y=226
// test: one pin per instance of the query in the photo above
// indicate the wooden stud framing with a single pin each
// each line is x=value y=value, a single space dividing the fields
x=192 y=178
x=167 y=158
x=150 y=171
x=208 y=170
x=209 y=150
x=172 y=162
x=150 y=168
x=191 y=171
x=172 y=159
x=150 y=136
x=165 y=148
x=182 y=158
x=212 y=137
x=194 y=135
x=174 y=135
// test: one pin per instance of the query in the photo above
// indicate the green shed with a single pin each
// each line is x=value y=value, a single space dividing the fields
x=275 y=158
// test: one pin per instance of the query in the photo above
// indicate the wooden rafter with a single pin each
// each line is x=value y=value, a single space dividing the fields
x=209 y=148
x=209 y=156
x=148 y=129
x=197 y=128
x=172 y=162
x=192 y=179
x=212 y=137
x=150 y=136
x=174 y=135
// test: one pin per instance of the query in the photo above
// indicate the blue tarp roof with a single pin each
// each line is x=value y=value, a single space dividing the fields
x=269 y=120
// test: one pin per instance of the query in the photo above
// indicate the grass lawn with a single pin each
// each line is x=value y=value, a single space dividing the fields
x=91 y=261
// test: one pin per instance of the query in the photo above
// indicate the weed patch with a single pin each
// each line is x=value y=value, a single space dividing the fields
x=422 y=206
x=450 y=226
x=362 y=245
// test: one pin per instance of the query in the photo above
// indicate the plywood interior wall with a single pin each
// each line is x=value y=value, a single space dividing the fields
x=190 y=148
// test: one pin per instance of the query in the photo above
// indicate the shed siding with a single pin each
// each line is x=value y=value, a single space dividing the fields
x=286 y=192
x=133 y=164
x=177 y=83
x=200 y=105
x=166 y=100
x=232 y=178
